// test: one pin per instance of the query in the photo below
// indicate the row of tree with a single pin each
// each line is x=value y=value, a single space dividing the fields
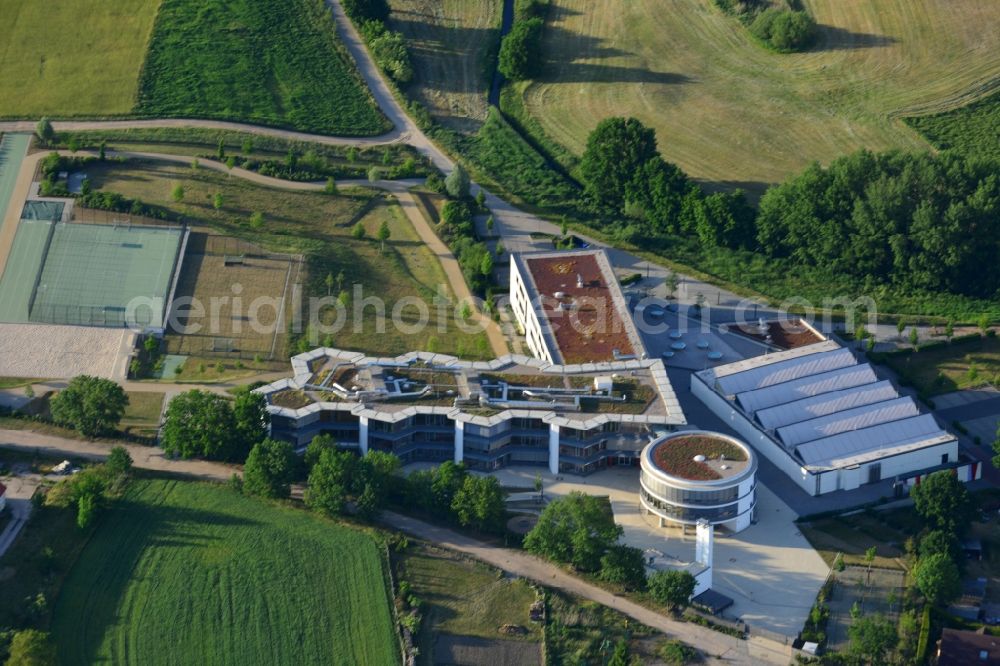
x=580 y=530
x=914 y=220
x=388 y=47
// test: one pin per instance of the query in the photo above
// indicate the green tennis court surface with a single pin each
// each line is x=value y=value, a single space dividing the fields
x=92 y=273
x=13 y=148
x=26 y=256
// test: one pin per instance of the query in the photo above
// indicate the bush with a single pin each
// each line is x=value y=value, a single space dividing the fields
x=676 y=653
x=520 y=51
x=784 y=30
x=366 y=10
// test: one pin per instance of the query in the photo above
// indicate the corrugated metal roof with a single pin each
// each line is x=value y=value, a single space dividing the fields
x=805 y=387
x=816 y=406
x=785 y=371
x=913 y=431
x=848 y=420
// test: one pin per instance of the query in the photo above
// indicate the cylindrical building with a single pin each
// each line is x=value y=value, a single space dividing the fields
x=695 y=474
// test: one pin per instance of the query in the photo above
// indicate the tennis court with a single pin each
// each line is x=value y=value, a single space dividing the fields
x=92 y=274
x=18 y=283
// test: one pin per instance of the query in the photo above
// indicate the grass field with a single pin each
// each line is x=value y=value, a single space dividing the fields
x=953 y=367
x=319 y=227
x=973 y=129
x=193 y=573
x=142 y=416
x=72 y=57
x=266 y=61
x=730 y=112
x=450 y=43
x=466 y=598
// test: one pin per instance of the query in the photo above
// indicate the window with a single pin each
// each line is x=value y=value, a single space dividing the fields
x=944 y=458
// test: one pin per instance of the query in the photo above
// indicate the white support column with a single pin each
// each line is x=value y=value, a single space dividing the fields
x=363 y=435
x=459 y=441
x=553 y=448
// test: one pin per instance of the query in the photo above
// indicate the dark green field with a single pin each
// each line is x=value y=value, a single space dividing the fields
x=972 y=129
x=274 y=62
x=190 y=573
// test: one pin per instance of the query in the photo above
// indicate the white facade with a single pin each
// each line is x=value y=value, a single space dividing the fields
x=729 y=501
x=827 y=424
x=527 y=316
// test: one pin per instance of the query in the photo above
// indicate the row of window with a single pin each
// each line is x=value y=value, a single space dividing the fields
x=706 y=497
x=689 y=514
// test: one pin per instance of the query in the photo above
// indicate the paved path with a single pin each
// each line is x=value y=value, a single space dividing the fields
x=143 y=457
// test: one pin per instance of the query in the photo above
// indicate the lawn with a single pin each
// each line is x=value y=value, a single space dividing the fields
x=72 y=57
x=971 y=129
x=142 y=416
x=181 y=572
x=959 y=365
x=273 y=62
x=728 y=111
x=452 y=44
x=465 y=597
x=319 y=227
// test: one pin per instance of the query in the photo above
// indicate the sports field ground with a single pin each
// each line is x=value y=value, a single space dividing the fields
x=181 y=572
x=72 y=57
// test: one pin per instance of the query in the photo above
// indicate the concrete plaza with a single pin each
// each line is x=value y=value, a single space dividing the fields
x=769 y=570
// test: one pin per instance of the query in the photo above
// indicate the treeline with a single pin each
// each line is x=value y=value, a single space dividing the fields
x=388 y=47
x=457 y=229
x=520 y=51
x=785 y=28
x=914 y=221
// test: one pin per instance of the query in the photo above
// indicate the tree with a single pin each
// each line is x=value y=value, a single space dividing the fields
x=479 y=503
x=949 y=329
x=199 y=423
x=340 y=280
x=943 y=501
x=383 y=235
x=577 y=529
x=221 y=152
x=481 y=200
x=102 y=150
x=937 y=578
x=31 y=647
x=374 y=174
x=670 y=281
x=358 y=232
x=446 y=480
x=44 y=131
x=269 y=469
x=177 y=194
x=369 y=503
x=367 y=10
x=91 y=405
x=900 y=326
x=86 y=510
x=616 y=150
x=218 y=201
x=247 y=147
x=318 y=444
x=331 y=186
x=672 y=588
x=625 y=566
x=328 y=281
x=490 y=223
x=914 y=336
x=486 y=265
x=250 y=414
x=326 y=492
x=620 y=655
x=520 y=50
x=456 y=184
x=119 y=462
x=984 y=324
x=256 y=220
x=939 y=541
x=784 y=30
x=871 y=637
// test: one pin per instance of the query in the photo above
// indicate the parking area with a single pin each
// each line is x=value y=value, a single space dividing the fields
x=978 y=410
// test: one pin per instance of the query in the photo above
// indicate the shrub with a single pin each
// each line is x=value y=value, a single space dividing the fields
x=520 y=51
x=784 y=30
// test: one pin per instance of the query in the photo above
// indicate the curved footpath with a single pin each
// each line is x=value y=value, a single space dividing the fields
x=721 y=646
